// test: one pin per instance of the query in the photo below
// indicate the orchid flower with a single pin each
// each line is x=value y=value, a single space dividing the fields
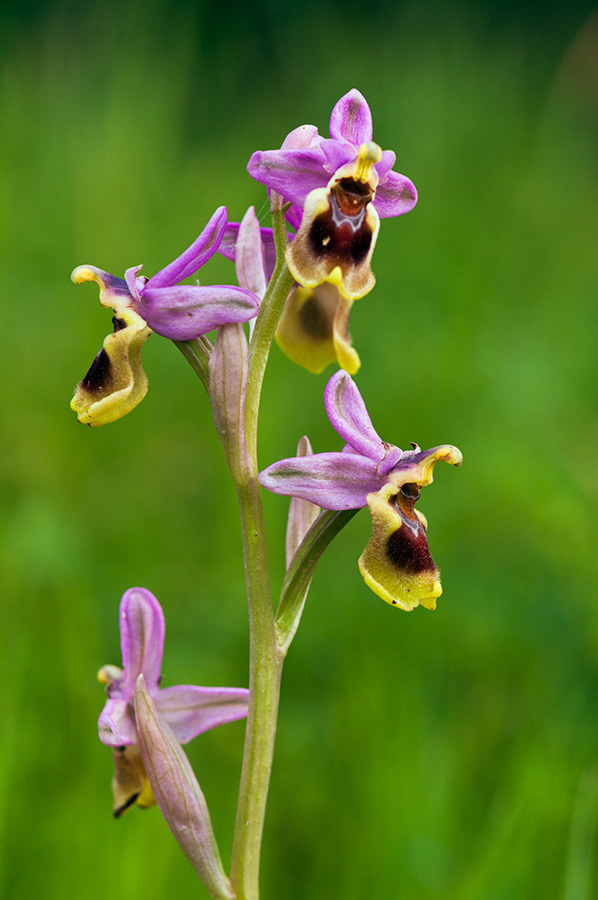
x=116 y=382
x=344 y=185
x=396 y=564
x=188 y=710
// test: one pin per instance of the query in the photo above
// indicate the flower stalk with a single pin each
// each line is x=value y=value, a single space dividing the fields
x=265 y=668
x=265 y=656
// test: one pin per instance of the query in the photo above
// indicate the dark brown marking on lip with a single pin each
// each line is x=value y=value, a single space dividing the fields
x=126 y=805
x=407 y=547
x=99 y=377
x=409 y=552
x=314 y=320
x=342 y=238
x=118 y=324
x=352 y=196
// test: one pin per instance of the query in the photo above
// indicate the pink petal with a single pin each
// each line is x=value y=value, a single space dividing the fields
x=116 y=724
x=395 y=195
x=142 y=639
x=191 y=710
x=351 y=119
x=349 y=416
x=331 y=480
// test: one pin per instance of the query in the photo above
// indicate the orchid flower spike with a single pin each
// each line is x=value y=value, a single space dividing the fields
x=344 y=184
x=116 y=382
x=188 y=710
x=396 y=564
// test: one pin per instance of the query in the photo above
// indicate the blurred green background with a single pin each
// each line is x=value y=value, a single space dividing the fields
x=432 y=755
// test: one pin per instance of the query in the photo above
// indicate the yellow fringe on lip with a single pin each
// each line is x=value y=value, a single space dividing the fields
x=396 y=564
x=116 y=382
x=405 y=585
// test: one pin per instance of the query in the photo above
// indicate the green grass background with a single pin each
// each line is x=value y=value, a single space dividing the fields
x=432 y=755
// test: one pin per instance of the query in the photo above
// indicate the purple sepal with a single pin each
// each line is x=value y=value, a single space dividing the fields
x=186 y=311
x=349 y=417
x=141 y=623
x=331 y=480
x=191 y=710
x=292 y=173
x=351 y=119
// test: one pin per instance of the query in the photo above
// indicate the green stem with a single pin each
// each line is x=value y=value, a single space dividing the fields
x=264 y=689
x=266 y=658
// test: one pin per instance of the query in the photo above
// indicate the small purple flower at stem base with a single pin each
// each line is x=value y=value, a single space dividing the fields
x=188 y=710
x=345 y=184
x=116 y=382
x=396 y=564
